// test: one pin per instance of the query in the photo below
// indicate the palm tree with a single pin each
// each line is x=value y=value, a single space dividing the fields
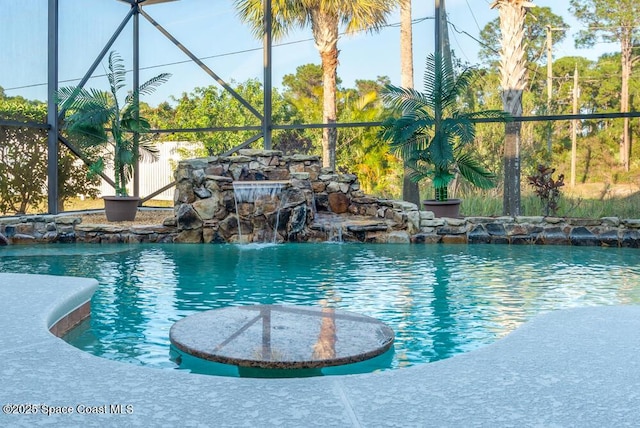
x=325 y=18
x=513 y=71
x=98 y=119
x=432 y=134
x=615 y=21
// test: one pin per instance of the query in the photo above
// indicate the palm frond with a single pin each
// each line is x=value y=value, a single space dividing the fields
x=431 y=130
x=72 y=98
x=149 y=150
x=453 y=87
x=472 y=170
x=90 y=135
x=408 y=131
x=462 y=127
x=405 y=99
x=286 y=14
x=131 y=121
x=442 y=179
x=407 y=151
x=441 y=150
x=96 y=119
x=149 y=86
x=117 y=73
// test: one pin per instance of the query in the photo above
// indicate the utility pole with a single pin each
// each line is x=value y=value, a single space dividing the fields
x=437 y=113
x=441 y=36
x=550 y=31
x=446 y=44
x=574 y=127
x=438 y=27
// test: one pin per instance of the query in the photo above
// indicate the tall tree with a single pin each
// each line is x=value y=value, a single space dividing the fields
x=613 y=21
x=535 y=32
x=325 y=18
x=513 y=72
x=410 y=189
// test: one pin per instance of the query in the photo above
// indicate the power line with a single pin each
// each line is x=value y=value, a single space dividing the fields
x=222 y=55
x=460 y=46
x=473 y=15
x=238 y=52
x=480 y=42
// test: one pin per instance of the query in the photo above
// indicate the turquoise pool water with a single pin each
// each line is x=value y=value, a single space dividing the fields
x=440 y=300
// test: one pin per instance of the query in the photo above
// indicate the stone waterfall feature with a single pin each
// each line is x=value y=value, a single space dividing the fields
x=311 y=203
x=250 y=196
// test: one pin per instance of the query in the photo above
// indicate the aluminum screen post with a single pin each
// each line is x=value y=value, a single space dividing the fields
x=136 y=98
x=267 y=119
x=52 y=108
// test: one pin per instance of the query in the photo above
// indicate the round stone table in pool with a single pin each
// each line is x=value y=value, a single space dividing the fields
x=281 y=337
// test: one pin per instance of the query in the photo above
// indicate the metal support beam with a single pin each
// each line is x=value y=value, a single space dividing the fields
x=136 y=98
x=157 y=192
x=52 y=108
x=101 y=55
x=84 y=159
x=267 y=120
x=202 y=65
x=574 y=126
x=21 y=124
x=207 y=129
x=242 y=146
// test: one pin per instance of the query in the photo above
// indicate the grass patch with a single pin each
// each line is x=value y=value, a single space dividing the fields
x=569 y=206
x=585 y=201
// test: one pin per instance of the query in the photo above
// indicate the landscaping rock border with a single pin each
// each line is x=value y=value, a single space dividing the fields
x=605 y=232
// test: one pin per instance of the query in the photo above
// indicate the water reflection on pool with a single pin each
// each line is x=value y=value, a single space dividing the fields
x=439 y=299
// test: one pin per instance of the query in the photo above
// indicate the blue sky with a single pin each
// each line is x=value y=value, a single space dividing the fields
x=211 y=30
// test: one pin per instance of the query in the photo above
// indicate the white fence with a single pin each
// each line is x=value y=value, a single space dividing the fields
x=156 y=175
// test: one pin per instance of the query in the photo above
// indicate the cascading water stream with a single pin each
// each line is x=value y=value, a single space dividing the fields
x=335 y=233
x=250 y=192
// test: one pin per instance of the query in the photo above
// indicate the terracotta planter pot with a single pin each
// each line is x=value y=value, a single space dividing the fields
x=120 y=208
x=449 y=208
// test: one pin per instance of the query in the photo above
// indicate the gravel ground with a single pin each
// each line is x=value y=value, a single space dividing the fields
x=144 y=217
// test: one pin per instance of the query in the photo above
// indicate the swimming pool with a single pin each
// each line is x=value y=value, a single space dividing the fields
x=440 y=300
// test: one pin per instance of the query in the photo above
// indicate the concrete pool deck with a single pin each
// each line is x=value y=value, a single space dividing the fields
x=573 y=368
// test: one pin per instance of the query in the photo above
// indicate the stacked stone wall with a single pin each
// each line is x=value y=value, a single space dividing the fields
x=608 y=231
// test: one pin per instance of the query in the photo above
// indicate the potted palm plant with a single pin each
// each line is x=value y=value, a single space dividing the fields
x=97 y=118
x=432 y=134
